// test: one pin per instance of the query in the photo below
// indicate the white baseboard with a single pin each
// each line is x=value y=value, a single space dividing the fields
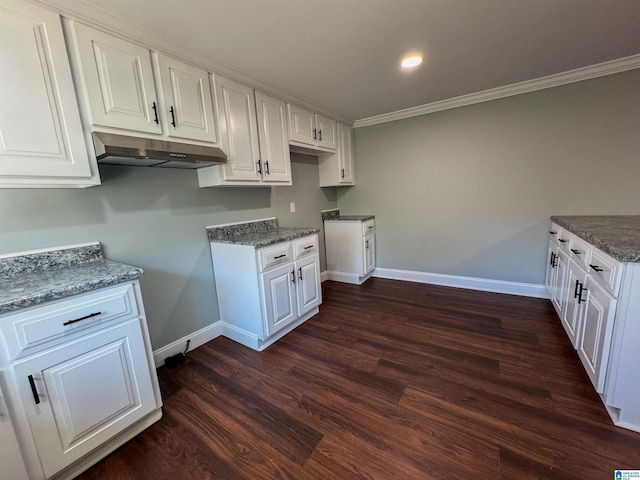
x=324 y=276
x=199 y=337
x=352 y=278
x=484 y=284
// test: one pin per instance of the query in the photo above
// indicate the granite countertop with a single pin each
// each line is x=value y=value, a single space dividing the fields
x=257 y=234
x=335 y=215
x=31 y=279
x=616 y=235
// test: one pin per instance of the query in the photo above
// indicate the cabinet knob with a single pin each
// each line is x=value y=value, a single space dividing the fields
x=342 y=173
x=576 y=252
x=266 y=167
x=259 y=163
x=596 y=268
x=320 y=135
x=562 y=240
x=300 y=273
x=173 y=116
x=315 y=134
x=293 y=276
x=551 y=232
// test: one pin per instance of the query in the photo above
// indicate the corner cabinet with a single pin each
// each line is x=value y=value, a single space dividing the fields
x=337 y=170
x=43 y=144
x=265 y=293
x=82 y=379
x=596 y=298
x=253 y=132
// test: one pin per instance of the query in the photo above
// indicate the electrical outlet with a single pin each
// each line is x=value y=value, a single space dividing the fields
x=292 y=207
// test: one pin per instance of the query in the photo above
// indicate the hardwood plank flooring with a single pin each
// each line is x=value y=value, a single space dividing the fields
x=391 y=380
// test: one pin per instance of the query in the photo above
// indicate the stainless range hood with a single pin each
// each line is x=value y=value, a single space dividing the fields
x=112 y=149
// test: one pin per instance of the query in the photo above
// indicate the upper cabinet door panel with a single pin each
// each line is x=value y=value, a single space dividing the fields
x=326 y=132
x=274 y=143
x=301 y=125
x=345 y=153
x=188 y=107
x=119 y=81
x=40 y=129
x=238 y=133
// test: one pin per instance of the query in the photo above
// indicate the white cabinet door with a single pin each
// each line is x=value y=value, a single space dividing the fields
x=302 y=125
x=308 y=283
x=280 y=302
x=327 y=132
x=274 y=143
x=559 y=293
x=575 y=300
x=119 y=81
x=188 y=107
x=80 y=396
x=40 y=130
x=595 y=336
x=551 y=276
x=369 y=253
x=238 y=132
x=345 y=154
x=11 y=464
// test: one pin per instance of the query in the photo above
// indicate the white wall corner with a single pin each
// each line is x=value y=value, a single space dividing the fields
x=472 y=283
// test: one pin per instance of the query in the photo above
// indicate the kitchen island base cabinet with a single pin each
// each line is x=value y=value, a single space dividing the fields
x=265 y=293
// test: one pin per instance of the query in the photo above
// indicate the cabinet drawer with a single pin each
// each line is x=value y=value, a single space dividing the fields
x=32 y=330
x=275 y=255
x=305 y=246
x=606 y=270
x=581 y=252
x=368 y=226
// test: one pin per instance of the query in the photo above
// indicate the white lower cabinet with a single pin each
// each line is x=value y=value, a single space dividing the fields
x=351 y=249
x=597 y=300
x=596 y=329
x=264 y=293
x=79 y=380
x=11 y=464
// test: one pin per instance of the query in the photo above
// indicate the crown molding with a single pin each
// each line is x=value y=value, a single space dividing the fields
x=572 y=76
x=101 y=19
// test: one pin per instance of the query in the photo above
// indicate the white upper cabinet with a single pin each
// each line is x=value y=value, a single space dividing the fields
x=272 y=135
x=253 y=133
x=311 y=130
x=337 y=169
x=43 y=144
x=188 y=106
x=326 y=132
x=118 y=80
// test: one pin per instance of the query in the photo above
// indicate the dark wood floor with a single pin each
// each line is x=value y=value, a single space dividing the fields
x=391 y=380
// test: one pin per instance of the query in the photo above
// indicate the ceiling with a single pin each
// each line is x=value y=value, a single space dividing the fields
x=343 y=55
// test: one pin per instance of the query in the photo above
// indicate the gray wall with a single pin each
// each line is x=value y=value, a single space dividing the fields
x=469 y=191
x=155 y=219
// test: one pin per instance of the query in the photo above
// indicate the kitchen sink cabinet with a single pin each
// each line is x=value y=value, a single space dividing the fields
x=253 y=132
x=265 y=293
x=311 y=130
x=80 y=383
x=43 y=144
x=337 y=170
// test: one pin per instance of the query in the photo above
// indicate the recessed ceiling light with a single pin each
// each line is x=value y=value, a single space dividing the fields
x=410 y=62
